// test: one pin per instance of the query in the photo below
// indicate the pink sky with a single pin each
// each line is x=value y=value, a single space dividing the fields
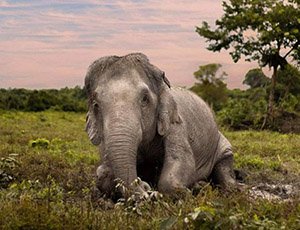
x=50 y=44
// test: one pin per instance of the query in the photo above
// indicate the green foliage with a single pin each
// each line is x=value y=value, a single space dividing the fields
x=247 y=108
x=255 y=162
x=40 y=142
x=289 y=103
x=257 y=151
x=66 y=99
x=214 y=215
x=210 y=86
x=287 y=90
x=208 y=73
x=290 y=78
x=7 y=165
x=203 y=216
x=50 y=191
x=256 y=29
x=256 y=78
x=244 y=109
x=215 y=95
x=261 y=31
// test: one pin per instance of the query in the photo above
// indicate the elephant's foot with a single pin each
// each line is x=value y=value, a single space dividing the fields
x=109 y=187
x=173 y=188
x=223 y=174
x=199 y=186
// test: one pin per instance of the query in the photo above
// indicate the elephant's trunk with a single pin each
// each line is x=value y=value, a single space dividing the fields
x=121 y=143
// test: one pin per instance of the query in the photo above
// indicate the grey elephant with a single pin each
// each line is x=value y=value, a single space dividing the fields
x=144 y=128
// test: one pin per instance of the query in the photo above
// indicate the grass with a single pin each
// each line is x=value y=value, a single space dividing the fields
x=47 y=167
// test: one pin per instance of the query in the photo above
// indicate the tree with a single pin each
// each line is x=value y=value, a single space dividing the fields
x=287 y=91
x=208 y=73
x=264 y=31
x=290 y=79
x=210 y=85
x=256 y=78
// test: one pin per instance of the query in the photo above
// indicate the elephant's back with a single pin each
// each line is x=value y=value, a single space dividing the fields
x=201 y=127
x=193 y=109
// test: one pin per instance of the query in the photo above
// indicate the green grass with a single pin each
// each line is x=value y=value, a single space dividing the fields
x=47 y=167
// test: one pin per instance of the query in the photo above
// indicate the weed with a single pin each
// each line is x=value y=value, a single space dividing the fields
x=39 y=143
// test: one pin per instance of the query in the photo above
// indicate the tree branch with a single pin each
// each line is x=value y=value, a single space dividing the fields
x=294 y=47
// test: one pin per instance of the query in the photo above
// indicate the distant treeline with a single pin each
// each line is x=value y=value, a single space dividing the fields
x=236 y=109
x=65 y=99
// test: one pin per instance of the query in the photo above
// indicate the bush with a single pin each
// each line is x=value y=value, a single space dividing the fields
x=7 y=164
x=242 y=113
x=39 y=143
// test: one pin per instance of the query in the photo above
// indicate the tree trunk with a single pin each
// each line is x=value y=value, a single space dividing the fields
x=269 y=117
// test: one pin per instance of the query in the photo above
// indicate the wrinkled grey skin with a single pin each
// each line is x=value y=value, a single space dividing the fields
x=144 y=128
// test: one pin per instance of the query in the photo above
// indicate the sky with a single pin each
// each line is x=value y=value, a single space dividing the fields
x=51 y=43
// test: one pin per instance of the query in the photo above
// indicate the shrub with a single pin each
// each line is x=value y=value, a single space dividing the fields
x=7 y=164
x=40 y=143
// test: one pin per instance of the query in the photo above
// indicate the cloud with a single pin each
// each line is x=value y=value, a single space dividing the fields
x=51 y=43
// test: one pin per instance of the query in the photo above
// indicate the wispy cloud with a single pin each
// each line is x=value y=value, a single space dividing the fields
x=51 y=43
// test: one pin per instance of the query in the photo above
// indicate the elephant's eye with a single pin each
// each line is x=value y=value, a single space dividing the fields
x=145 y=99
x=95 y=105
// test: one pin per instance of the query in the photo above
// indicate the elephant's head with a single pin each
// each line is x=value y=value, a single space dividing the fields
x=129 y=103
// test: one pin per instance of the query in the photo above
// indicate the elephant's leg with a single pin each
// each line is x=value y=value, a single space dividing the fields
x=178 y=172
x=223 y=174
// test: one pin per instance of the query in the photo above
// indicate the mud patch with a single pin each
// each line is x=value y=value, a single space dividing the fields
x=276 y=192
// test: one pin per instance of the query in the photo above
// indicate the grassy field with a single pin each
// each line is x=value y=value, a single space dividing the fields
x=47 y=167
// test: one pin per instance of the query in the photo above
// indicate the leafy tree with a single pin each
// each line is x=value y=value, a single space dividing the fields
x=244 y=108
x=38 y=101
x=256 y=78
x=287 y=91
x=290 y=79
x=259 y=30
x=241 y=113
x=208 y=73
x=210 y=85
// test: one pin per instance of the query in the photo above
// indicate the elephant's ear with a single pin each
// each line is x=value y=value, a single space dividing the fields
x=167 y=111
x=92 y=128
x=94 y=73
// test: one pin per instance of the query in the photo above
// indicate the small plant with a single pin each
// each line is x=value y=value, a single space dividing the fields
x=50 y=192
x=7 y=164
x=39 y=143
x=134 y=201
x=202 y=216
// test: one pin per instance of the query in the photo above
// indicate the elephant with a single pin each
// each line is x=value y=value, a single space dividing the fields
x=166 y=136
